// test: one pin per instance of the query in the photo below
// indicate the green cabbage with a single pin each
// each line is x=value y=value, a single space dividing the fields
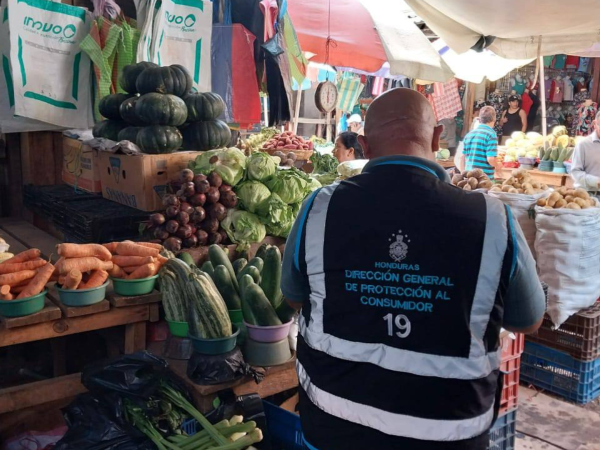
x=291 y=185
x=243 y=227
x=261 y=166
x=251 y=194
x=314 y=184
x=325 y=178
x=277 y=216
x=229 y=163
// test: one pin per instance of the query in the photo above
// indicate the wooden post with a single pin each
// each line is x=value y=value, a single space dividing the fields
x=470 y=99
x=297 y=109
x=328 y=129
x=596 y=80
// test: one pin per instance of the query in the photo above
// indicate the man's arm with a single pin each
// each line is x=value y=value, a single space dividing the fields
x=492 y=155
x=525 y=302
x=586 y=181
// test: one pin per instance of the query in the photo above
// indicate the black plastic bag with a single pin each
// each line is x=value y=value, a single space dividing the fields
x=217 y=369
x=273 y=47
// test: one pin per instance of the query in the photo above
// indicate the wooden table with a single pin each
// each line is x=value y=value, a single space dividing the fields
x=549 y=178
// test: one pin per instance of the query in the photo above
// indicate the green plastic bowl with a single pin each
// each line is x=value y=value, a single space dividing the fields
x=215 y=346
x=82 y=297
x=178 y=329
x=134 y=287
x=236 y=316
x=24 y=306
x=265 y=354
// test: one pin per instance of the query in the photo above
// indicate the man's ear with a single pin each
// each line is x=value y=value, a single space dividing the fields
x=435 y=142
x=364 y=143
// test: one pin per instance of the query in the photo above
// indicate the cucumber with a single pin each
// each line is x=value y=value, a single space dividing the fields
x=253 y=272
x=246 y=310
x=262 y=251
x=239 y=264
x=270 y=281
x=256 y=263
x=186 y=258
x=224 y=284
x=218 y=257
x=263 y=311
x=208 y=268
x=284 y=311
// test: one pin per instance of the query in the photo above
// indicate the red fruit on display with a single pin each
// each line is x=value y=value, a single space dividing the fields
x=215 y=179
x=198 y=199
x=213 y=195
x=202 y=237
x=187 y=175
x=172 y=226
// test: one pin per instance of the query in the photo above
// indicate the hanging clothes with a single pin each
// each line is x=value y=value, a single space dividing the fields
x=445 y=99
x=519 y=86
x=568 y=89
x=547 y=88
x=584 y=65
x=377 y=88
x=535 y=104
x=498 y=101
x=586 y=115
x=579 y=99
x=572 y=62
x=556 y=91
x=270 y=10
x=559 y=62
x=548 y=60
x=526 y=102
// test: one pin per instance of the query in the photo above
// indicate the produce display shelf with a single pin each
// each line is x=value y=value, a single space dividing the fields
x=560 y=373
x=503 y=432
x=579 y=336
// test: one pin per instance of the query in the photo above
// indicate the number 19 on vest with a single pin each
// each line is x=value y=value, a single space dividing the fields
x=402 y=324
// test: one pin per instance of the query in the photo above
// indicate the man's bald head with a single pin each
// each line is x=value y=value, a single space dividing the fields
x=400 y=122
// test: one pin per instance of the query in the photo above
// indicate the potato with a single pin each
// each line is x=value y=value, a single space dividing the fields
x=476 y=173
x=510 y=181
x=544 y=187
x=513 y=191
x=571 y=192
x=591 y=203
x=569 y=198
x=555 y=196
x=548 y=207
x=506 y=188
x=541 y=202
x=581 y=202
x=467 y=187
x=462 y=183
x=560 y=203
x=562 y=191
x=573 y=205
x=485 y=184
x=496 y=188
x=456 y=178
x=551 y=202
x=535 y=185
x=527 y=186
x=473 y=182
x=468 y=174
x=581 y=193
x=529 y=191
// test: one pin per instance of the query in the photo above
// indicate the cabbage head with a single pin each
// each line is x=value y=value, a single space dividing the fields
x=291 y=185
x=276 y=215
x=243 y=227
x=313 y=184
x=251 y=194
x=261 y=166
x=229 y=163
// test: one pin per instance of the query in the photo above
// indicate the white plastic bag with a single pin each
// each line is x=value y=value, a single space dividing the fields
x=146 y=12
x=182 y=35
x=523 y=209
x=567 y=244
x=51 y=74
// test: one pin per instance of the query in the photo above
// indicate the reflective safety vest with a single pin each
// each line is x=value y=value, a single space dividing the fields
x=407 y=275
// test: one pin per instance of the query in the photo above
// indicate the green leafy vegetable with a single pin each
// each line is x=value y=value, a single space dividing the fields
x=243 y=227
x=314 y=184
x=229 y=163
x=261 y=166
x=291 y=185
x=251 y=194
x=276 y=215
x=324 y=163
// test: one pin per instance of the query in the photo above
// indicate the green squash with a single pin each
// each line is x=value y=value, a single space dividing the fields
x=175 y=80
x=108 y=129
x=130 y=74
x=161 y=109
x=206 y=135
x=129 y=134
x=204 y=106
x=109 y=105
x=155 y=139
x=127 y=111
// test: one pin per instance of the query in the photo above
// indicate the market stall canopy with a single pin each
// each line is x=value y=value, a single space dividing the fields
x=476 y=66
x=513 y=28
x=365 y=34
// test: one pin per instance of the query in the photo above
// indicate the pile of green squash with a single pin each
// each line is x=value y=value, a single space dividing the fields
x=160 y=113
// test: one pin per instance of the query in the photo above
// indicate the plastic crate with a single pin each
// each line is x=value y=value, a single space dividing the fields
x=579 y=336
x=560 y=373
x=503 y=432
x=510 y=387
x=190 y=427
x=512 y=348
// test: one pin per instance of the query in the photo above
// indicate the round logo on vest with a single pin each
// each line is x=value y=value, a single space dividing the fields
x=399 y=248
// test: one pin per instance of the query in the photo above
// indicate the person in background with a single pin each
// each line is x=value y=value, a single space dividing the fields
x=386 y=358
x=586 y=161
x=514 y=118
x=347 y=147
x=480 y=146
x=355 y=124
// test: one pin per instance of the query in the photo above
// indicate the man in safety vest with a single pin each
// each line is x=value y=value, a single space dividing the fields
x=399 y=331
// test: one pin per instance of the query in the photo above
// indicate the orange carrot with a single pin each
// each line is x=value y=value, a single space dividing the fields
x=61 y=279
x=5 y=293
x=38 y=283
x=131 y=249
x=97 y=278
x=130 y=269
x=125 y=261
x=13 y=279
x=160 y=260
x=117 y=272
x=17 y=267
x=112 y=247
x=25 y=256
x=145 y=271
x=72 y=280
x=84 y=264
x=159 y=247
x=83 y=250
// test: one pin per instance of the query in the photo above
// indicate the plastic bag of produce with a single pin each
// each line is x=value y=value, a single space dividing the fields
x=567 y=244
x=44 y=39
x=523 y=209
x=216 y=369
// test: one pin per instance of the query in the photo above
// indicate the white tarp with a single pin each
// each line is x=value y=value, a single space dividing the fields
x=572 y=27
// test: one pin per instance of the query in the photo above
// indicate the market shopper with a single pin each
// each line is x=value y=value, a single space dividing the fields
x=514 y=118
x=355 y=124
x=399 y=331
x=586 y=161
x=480 y=146
x=347 y=147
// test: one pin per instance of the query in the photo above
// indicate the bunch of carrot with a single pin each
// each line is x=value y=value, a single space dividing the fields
x=82 y=266
x=24 y=275
x=135 y=260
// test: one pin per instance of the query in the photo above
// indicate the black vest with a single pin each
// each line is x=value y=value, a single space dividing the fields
x=400 y=337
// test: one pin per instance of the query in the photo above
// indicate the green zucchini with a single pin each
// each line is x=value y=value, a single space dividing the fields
x=262 y=251
x=261 y=307
x=239 y=264
x=256 y=263
x=270 y=281
x=246 y=309
x=225 y=286
x=218 y=257
x=214 y=321
x=252 y=271
x=284 y=311
x=186 y=258
x=208 y=268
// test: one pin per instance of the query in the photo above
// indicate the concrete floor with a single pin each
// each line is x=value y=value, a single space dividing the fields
x=545 y=422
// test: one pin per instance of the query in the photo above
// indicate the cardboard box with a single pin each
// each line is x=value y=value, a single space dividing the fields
x=140 y=181
x=80 y=165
